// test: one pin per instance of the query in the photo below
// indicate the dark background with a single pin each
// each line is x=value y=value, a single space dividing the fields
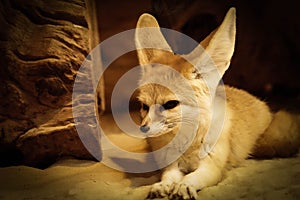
x=266 y=59
x=43 y=44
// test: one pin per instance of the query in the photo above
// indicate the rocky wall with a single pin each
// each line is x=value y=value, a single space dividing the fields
x=43 y=44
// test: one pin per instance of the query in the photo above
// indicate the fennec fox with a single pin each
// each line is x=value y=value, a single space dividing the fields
x=248 y=126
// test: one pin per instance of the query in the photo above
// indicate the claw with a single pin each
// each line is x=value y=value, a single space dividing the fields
x=192 y=192
x=184 y=191
x=159 y=190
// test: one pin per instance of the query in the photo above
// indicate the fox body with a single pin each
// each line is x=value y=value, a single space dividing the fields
x=247 y=124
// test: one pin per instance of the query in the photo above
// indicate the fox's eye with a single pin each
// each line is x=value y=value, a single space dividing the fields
x=145 y=107
x=170 y=104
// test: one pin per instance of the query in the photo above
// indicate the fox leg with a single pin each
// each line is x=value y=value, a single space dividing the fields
x=170 y=177
x=208 y=173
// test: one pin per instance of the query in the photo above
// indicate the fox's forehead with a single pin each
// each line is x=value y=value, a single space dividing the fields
x=175 y=61
x=167 y=64
x=151 y=94
x=166 y=57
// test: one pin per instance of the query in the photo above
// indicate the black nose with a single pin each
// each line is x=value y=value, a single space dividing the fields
x=145 y=128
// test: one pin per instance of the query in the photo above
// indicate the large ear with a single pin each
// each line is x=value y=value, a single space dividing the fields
x=149 y=38
x=219 y=46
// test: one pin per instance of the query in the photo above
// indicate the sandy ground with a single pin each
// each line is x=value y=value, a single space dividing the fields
x=88 y=180
x=74 y=179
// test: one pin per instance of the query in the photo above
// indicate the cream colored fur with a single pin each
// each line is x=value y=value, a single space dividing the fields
x=247 y=119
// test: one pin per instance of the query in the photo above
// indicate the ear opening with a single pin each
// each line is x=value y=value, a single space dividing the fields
x=213 y=55
x=149 y=40
x=222 y=43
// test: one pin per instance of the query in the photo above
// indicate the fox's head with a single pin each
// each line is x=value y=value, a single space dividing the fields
x=172 y=84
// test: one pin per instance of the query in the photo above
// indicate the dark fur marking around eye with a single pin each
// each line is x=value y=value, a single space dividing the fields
x=170 y=104
x=145 y=107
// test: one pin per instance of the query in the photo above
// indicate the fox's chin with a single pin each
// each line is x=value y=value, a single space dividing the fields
x=151 y=135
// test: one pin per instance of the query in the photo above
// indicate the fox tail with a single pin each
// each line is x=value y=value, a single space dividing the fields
x=282 y=137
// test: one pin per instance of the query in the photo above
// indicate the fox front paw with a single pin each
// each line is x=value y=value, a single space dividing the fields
x=160 y=190
x=184 y=191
